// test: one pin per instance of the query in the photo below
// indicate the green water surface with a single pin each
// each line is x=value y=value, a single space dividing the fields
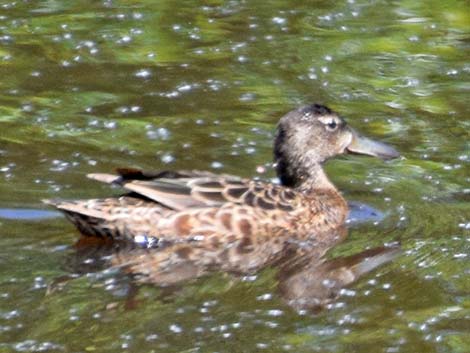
x=87 y=86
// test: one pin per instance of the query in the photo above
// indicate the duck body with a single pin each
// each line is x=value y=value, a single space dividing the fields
x=222 y=211
x=210 y=209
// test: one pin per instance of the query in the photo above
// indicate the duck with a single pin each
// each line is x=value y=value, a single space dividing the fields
x=204 y=210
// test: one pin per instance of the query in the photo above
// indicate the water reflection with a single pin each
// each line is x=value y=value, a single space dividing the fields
x=311 y=282
x=307 y=279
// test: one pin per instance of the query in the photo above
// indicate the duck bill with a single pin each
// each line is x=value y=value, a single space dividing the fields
x=363 y=145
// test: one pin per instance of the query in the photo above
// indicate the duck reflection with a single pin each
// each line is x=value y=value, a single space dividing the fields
x=309 y=283
x=307 y=279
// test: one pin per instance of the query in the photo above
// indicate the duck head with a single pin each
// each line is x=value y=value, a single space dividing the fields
x=309 y=136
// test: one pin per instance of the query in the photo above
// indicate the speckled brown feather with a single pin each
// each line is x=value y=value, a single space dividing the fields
x=209 y=209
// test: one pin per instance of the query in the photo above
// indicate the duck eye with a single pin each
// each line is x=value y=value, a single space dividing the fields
x=331 y=125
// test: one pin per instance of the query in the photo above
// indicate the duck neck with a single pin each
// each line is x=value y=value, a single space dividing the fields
x=328 y=200
x=316 y=180
x=303 y=176
x=313 y=182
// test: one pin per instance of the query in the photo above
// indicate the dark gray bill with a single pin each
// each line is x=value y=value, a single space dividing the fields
x=363 y=145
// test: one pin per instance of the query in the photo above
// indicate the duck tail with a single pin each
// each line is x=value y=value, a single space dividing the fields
x=88 y=220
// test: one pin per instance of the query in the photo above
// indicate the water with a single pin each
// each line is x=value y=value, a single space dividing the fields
x=87 y=86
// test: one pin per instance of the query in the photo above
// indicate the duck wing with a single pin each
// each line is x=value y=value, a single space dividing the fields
x=182 y=190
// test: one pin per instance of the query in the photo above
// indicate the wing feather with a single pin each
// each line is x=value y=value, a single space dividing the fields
x=182 y=190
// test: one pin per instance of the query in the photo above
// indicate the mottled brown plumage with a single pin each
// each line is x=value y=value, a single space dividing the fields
x=224 y=211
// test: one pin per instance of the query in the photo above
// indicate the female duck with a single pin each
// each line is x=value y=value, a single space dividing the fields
x=216 y=210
